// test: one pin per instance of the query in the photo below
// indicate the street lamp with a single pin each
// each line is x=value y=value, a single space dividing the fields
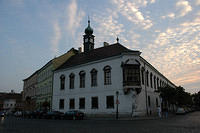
x=117 y=102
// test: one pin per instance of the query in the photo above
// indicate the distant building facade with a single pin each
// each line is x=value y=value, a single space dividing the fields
x=98 y=81
x=38 y=86
x=11 y=102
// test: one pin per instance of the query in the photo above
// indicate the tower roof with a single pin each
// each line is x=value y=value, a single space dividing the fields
x=88 y=30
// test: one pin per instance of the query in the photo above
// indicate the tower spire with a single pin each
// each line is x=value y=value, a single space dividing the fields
x=117 y=39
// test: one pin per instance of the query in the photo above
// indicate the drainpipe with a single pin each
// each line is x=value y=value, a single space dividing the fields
x=145 y=83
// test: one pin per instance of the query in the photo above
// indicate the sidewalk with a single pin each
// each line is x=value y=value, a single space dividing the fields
x=130 y=118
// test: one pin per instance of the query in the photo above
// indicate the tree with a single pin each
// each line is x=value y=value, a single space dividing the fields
x=175 y=96
x=196 y=99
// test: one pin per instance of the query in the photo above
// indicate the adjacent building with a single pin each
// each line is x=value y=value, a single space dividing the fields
x=38 y=87
x=10 y=102
x=107 y=80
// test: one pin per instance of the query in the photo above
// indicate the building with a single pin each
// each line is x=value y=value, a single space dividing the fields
x=10 y=102
x=29 y=92
x=107 y=80
x=38 y=87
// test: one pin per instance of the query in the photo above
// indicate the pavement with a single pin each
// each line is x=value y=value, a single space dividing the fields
x=189 y=123
x=151 y=117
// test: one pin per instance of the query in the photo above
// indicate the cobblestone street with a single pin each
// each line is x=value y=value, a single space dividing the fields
x=189 y=123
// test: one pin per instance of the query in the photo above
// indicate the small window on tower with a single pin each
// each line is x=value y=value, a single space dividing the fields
x=91 y=40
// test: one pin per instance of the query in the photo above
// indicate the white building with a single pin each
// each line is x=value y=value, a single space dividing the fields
x=93 y=80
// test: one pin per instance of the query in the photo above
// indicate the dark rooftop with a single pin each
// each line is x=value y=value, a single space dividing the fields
x=96 y=54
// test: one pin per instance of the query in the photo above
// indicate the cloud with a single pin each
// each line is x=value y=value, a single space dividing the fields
x=56 y=38
x=132 y=12
x=74 y=18
x=176 y=52
x=197 y=2
x=183 y=7
x=170 y=15
x=108 y=26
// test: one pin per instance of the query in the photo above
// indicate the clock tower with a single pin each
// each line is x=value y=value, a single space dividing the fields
x=88 y=38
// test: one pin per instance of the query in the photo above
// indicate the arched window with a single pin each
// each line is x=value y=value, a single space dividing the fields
x=107 y=75
x=62 y=82
x=82 y=79
x=142 y=73
x=147 y=78
x=71 y=81
x=93 y=77
x=151 y=78
x=155 y=82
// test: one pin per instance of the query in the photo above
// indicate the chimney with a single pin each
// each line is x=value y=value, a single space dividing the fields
x=79 y=50
x=105 y=44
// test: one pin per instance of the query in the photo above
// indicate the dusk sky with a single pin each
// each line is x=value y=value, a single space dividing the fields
x=167 y=32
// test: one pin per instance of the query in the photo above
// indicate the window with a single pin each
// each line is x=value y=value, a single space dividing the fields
x=151 y=80
x=154 y=82
x=61 y=104
x=156 y=102
x=93 y=77
x=147 y=78
x=71 y=81
x=110 y=102
x=131 y=75
x=149 y=101
x=82 y=103
x=62 y=82
x=71 y=103
x=157 y=82
x=107 y=75
x=160 y=83
x=94 y=102
x=142 y=71
x=82 y=79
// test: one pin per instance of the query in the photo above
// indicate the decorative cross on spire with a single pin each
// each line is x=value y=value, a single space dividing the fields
x=117 y=39
x=88 y=20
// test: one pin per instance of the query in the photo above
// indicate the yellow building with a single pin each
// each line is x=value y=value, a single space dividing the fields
x=43 y=91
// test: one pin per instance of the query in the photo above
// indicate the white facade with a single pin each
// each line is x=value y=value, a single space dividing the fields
x=129 y=104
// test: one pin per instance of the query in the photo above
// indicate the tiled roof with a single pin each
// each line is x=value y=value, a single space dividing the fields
x=96 y=54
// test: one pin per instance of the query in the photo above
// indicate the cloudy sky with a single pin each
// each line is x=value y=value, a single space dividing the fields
x=167 y=32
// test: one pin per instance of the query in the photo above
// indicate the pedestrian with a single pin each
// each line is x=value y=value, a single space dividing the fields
x=166 y=113
x=159 y=112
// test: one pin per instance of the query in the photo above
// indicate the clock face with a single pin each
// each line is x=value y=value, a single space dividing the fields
x=86 y=39
x=91 y=40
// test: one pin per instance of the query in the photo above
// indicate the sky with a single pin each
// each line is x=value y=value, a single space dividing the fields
x=167 y=32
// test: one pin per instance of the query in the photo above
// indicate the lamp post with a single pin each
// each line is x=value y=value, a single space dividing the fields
x=117 y=102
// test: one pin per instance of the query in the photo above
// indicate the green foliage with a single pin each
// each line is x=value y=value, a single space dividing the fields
x=196 y=99
x=176 y=95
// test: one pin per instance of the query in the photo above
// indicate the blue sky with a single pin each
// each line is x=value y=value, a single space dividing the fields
x=167 y=32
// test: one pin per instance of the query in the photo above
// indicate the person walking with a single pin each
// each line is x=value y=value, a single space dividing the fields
x=159 y=112
x=166 y=113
